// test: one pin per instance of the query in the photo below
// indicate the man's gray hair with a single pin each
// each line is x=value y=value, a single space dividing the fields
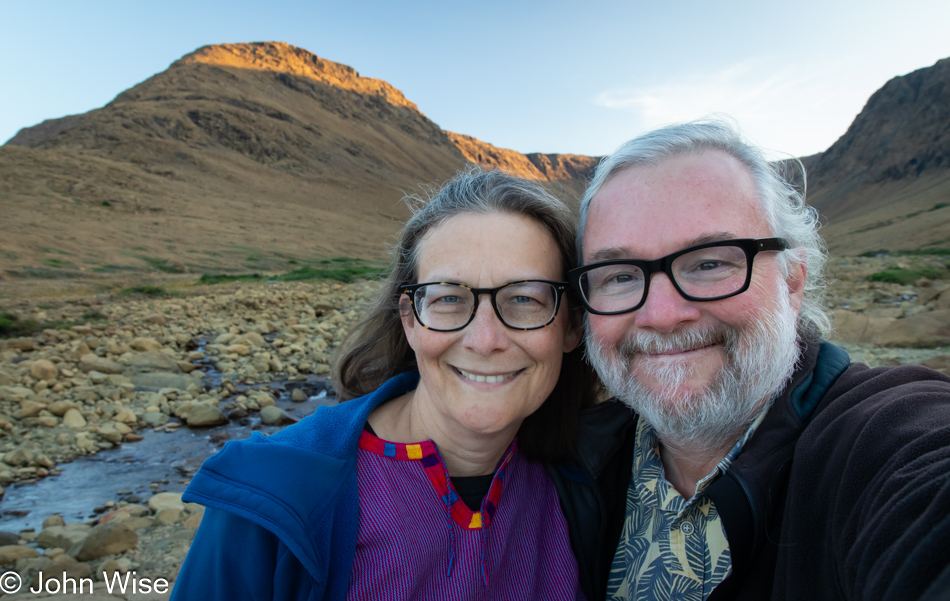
x=785 y=210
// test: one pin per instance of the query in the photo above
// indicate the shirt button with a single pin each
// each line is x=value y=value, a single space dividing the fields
x=687 y=528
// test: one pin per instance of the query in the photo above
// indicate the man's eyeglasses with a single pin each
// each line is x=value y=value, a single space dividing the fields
x=447 y=307
x=705 y=272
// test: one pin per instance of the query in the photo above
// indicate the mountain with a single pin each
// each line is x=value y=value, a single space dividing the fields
x=885 y=184
x=238 y=157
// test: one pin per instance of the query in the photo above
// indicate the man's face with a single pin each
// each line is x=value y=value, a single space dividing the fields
x=683 y=354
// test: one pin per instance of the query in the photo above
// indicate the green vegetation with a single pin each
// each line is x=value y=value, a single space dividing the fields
x=217 y=278
x=146 y=291
x=12 y=326
x=340 y=269
x=939 y=205
x=163 y=265
x=900 y=275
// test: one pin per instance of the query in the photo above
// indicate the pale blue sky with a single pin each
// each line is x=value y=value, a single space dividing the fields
x=551 y=76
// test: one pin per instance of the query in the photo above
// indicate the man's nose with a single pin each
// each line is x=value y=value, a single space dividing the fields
x=665 y=309
x=486 y=333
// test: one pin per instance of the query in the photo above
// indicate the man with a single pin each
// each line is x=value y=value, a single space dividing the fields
x=758 y=462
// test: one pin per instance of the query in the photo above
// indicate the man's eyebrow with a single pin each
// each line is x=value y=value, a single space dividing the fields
x=619 y=252
x=609 y=254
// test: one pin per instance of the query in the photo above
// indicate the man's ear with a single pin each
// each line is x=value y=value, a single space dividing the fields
x=408 y=320
x=795 y=281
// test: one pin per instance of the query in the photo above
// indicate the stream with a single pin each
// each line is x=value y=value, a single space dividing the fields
x=160 y=462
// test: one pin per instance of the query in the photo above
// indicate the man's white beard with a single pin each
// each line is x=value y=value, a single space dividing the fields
x=759 y=360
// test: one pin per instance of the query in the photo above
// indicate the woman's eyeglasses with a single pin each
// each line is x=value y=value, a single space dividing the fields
x=447 y=306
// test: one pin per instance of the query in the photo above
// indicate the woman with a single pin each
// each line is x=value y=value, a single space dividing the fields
x=426 y=482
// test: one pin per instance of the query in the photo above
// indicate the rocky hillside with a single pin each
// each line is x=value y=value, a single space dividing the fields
x=885 y=184
x=572 y=171
x=238 y=157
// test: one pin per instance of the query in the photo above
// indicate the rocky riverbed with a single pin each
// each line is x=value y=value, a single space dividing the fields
x=213 y=360
x=150 y=366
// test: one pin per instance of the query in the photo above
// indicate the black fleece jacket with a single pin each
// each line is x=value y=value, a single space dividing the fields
x=843 y=492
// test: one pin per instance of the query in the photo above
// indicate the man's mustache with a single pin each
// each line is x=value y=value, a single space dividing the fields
x=650 y=343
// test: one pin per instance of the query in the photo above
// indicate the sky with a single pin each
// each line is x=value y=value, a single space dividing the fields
x=533 y=76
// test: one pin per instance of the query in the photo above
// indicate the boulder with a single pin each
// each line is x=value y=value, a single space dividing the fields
x=62 y=537
x=104 y=539
x=124 y=415
x=275 y=416
x=41 y=369
x=9 y=554
x=855 y=328
x=90 y=362
x=54 y=520
x=145 y=344
x=153 y=361
x=74 y=420
x=250 y=339
x=166 y=500
x=155 y=418
x=298 y=395
x=59 y=408
x=203 y=415
x=155 y=381
x=924 y=330
x=9 y=538
x=31 y=408
x=940 y=363
x=15 y=393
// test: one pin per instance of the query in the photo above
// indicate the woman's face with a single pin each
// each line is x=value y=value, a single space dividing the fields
x=486 y=251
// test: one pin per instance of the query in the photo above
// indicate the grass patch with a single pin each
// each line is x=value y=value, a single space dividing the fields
x=153 y=291
x=874 y=226
x=218 y=278
x=939 y=205
x=340 y=270
x=59 y=264
x=12 y=326
x=900 y=275
x=163 y=265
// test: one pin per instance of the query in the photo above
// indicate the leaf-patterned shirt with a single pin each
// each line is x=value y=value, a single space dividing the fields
x=670 y=547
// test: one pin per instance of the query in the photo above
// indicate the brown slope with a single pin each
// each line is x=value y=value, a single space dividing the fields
x=246 y=151
x=877 y=187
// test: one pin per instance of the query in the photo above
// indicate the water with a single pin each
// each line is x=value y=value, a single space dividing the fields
x=166 y=459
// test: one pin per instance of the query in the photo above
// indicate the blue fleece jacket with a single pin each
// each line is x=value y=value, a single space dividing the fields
x=283 y=511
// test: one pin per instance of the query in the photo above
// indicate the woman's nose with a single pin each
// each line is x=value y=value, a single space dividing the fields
x=486 y=333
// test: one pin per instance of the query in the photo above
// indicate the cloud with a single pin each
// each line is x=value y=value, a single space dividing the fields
x=798 y=109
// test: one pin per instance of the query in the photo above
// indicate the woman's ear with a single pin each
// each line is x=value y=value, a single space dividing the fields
x=575 y=330
x=408 y=320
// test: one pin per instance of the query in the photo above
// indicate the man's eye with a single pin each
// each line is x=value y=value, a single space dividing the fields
x=709 y=265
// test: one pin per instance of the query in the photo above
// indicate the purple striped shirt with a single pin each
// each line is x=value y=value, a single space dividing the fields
x=407 y=540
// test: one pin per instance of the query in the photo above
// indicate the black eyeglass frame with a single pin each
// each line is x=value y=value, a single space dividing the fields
x=559 y=289
x=750 y=246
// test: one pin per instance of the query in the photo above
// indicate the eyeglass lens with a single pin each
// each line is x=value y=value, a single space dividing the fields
x=703 y=274
x=519 y=305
